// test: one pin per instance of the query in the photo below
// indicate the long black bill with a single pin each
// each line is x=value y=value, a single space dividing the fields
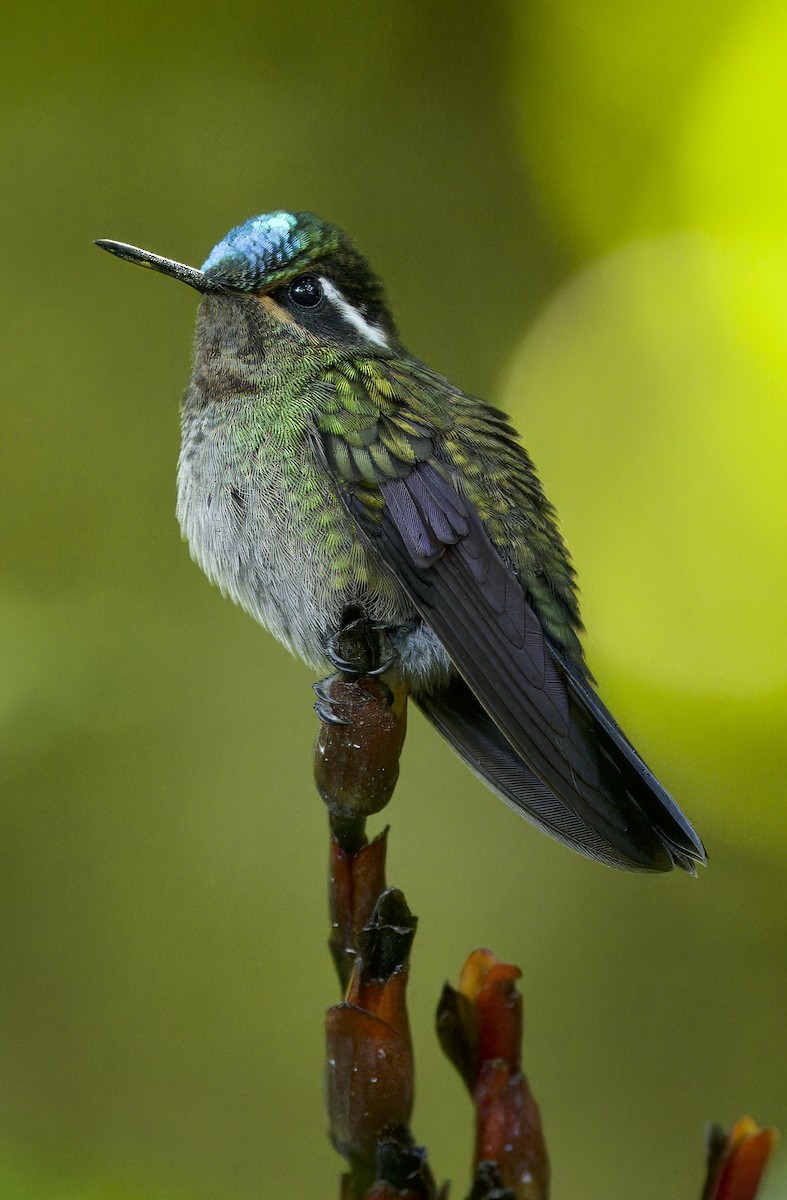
x=166 y=266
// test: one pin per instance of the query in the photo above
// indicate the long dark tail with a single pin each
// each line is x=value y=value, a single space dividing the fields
x=651 y=833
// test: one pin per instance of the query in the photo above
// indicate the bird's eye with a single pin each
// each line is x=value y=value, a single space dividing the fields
x=306 y=291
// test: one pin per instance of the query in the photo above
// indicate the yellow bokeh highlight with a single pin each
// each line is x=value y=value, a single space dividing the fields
x=673 y=470
x=731 y=153
x=652 y=390
x=733 y=177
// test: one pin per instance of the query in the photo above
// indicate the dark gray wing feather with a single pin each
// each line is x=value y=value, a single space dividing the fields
x=459 y=717
x=561 y=758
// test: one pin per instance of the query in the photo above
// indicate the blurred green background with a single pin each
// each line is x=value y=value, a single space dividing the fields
x=581 y=213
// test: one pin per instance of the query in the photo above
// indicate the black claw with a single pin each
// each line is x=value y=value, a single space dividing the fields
x=324 y=705
x=340 y=664
x=385 y=666
x=326 y=714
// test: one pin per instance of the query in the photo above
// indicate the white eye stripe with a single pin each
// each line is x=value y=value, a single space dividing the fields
x=372 y=333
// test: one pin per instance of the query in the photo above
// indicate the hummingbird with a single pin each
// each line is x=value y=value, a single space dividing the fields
x=323 y=467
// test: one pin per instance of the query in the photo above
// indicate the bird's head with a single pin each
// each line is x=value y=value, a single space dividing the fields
x=303 y=270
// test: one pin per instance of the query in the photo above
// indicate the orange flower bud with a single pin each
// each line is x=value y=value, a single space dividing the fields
x=480 y=1029
x=736 y=1160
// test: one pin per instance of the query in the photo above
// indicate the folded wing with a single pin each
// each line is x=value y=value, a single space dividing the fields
x=521 y=715
x=520 y=711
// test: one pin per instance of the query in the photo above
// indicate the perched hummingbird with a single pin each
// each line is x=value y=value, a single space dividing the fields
x=323 y=467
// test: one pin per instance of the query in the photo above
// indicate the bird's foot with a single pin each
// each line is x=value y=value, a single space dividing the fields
x=331 y=705
x=356 y=648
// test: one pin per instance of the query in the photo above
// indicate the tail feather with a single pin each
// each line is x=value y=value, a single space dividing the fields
x=649 y=837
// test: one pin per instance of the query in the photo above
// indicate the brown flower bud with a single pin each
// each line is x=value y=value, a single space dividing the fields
x=370 y=1055
x=356 y=883
x=356 y=763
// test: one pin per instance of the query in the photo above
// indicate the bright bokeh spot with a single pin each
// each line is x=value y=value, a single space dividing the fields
x=653 y=390
x=733 y=180
x=662 y=434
